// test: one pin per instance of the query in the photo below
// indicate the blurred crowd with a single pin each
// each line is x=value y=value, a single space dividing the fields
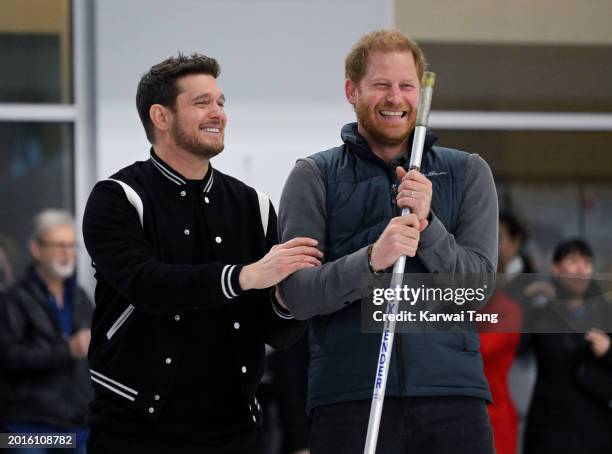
x=549 y=368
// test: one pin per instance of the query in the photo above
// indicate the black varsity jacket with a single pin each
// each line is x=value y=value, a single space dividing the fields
x=161 y=314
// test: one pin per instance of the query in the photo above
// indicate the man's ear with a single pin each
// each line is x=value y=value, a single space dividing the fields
x=350 y=89
x=161 y=117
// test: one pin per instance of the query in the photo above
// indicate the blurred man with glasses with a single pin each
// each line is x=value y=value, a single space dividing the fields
x=44 y=333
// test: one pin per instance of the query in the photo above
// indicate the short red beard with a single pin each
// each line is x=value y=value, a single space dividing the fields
x=379 y=134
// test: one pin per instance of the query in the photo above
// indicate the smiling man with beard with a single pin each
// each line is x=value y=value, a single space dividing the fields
x=186 y=260
x=45 y=332
x=349 y=198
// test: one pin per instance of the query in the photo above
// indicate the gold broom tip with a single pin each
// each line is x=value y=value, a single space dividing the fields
x=429 y=79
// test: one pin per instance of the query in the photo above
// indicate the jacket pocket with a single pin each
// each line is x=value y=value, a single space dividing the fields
x=120 y=321
x=113 y=385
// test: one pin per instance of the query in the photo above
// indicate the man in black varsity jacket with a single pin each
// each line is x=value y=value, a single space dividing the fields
x=185 y=257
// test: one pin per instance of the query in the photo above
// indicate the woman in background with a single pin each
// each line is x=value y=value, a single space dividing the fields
x=499 y=348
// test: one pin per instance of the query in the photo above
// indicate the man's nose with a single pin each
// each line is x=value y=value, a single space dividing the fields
x=218 y=112
x=393 y=95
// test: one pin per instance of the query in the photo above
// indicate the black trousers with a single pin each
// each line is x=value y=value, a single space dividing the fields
x=410 y=425
x=103 y=442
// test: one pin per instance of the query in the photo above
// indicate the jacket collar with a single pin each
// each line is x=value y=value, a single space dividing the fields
x=360 y=146
x=168 y=172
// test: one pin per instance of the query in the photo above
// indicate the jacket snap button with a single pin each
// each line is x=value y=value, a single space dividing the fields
x=186 y=232
x=156 y=397
x=151 y=410
x=177 y=317
x=183 y=193
x=218 y=239
x=244 y=369
x=168 y=360
x=236 y=325
x=206 y=200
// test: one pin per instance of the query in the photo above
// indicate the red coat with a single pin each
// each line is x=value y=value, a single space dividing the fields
x=498 y=350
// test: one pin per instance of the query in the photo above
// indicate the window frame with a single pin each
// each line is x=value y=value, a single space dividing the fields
x=81 y=113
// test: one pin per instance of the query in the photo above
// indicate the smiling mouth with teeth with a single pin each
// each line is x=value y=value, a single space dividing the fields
x=393 y=114
x=216 y=130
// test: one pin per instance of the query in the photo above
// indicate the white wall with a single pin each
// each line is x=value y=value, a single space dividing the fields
x=282 y=74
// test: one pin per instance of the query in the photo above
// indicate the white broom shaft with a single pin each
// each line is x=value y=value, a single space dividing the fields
x=386 y=344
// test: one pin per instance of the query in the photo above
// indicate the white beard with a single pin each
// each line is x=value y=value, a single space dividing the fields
x=62 y=270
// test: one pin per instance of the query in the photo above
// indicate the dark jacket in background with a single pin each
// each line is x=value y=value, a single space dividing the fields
x=3 y=384
x=286 y=394
x=44 y=383
x=568 y=413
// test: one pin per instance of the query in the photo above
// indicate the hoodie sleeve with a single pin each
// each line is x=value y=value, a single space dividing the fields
x=327 y=288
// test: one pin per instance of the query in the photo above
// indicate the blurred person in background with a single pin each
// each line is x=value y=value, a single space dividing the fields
x=6 y=269
x=518 y=269
x=571 y=407
x=283 y=398
x=512 y=238
x=44 y=337
x=3 y=386
x=499 y=348
x=5 y=280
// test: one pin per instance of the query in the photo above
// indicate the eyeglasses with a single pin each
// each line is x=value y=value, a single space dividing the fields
x=58 y=245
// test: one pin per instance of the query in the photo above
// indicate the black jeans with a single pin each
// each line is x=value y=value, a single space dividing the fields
x=102 y=442
x=431 y=425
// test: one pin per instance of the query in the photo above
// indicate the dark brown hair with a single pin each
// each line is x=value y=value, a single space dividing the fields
x=158 y=85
